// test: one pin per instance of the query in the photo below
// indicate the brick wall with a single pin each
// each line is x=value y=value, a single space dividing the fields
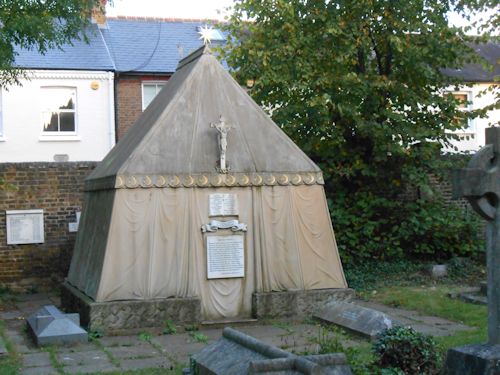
x=57 y=188
x=129 y=100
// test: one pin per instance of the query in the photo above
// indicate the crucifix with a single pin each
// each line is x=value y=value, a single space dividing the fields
x=480 y=184
x=223 y=128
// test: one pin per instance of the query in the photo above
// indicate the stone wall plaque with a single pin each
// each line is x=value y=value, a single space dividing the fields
x=225 y=257
x=220 y=204
x=24 y=227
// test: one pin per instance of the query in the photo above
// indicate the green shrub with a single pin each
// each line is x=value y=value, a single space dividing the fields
x=372 y=275
x=402 y=348
x=371 y=227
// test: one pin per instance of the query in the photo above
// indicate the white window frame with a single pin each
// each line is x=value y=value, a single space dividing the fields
x=60 y=135
x=152 y=82
x=470 y=123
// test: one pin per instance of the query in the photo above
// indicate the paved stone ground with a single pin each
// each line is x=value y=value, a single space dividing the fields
x=154 y=350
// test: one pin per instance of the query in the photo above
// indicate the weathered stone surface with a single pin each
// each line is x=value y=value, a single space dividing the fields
x=477 y=359
x=144 y=363
x=296 y=303
x=436 y=271
x=49 y=326
x=91 y=369
x=138 y=351
x=36 y=359
x=43 y=370
x=480 y=184
x=237 y=353
x=128 y=315
x=359 y=319
x=93 y=357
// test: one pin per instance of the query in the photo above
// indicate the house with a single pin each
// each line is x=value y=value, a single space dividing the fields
x=146 y=52
x=477 y=92
x=77 y=101
x=64 y=108
x=65 y=118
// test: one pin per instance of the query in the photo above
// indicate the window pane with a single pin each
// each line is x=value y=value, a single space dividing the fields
x=50 y=122
x=159 y=86
x=58 y=109
x=462 y=98
x=149 y=94
x=67 y=121
x=55 y=98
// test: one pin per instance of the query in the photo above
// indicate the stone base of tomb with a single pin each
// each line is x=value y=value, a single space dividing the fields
x=295 y=303
x=473 y=359
x=125 y=316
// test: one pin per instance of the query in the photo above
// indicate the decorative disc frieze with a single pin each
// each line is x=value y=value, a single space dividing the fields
x=217 y=180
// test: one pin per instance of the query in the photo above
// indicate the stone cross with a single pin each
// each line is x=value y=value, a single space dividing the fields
x=480 y=184
x=223 y=128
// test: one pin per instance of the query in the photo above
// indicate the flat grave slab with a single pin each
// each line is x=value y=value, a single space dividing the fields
x=363 y=320
x=238 y=353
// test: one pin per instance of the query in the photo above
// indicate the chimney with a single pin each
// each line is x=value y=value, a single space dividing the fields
x=99 y=14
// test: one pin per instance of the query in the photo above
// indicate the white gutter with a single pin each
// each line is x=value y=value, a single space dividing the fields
x=111 y=110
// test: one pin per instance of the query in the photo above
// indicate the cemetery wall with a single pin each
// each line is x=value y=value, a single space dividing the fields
x=443 y=187
x=57 y=188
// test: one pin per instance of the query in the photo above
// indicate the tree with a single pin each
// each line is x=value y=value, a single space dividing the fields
x=40 y=25
x=358 y=84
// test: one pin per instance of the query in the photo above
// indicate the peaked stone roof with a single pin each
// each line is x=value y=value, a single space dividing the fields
x=173 y=144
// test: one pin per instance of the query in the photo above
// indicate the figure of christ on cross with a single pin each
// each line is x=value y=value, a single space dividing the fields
x=223 y=128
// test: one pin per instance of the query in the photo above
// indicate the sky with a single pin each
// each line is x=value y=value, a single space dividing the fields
x=199 y=9
x=170 y=8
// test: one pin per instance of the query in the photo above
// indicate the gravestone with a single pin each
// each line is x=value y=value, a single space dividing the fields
x=363 y=320
x=50 y=326
x=237 y=353
x=480 y=184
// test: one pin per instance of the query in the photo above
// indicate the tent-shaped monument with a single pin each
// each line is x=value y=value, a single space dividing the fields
x=204 y=199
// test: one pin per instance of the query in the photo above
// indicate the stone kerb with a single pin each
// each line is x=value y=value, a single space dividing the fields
x=295 y=303
x=124 y=316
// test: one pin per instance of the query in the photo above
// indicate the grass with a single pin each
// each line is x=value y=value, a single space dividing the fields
x=108 y=353
x=399 y=284
x=53 y=358
x=435 y=301
x=10 y=364
x=169 y=328
x=199 y=337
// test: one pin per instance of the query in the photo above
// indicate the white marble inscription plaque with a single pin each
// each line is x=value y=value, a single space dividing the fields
x=222 y=205
x=24 y=227
x=225 y=257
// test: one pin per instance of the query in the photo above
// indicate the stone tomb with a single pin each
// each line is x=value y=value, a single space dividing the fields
x=237 y=353
x=480 y=184
x=362 y=320
x=204 y=203
x=49 y=326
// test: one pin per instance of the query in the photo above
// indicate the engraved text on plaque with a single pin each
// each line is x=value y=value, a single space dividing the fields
x=222 y=205
x=24 y=227
x=225 y=257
